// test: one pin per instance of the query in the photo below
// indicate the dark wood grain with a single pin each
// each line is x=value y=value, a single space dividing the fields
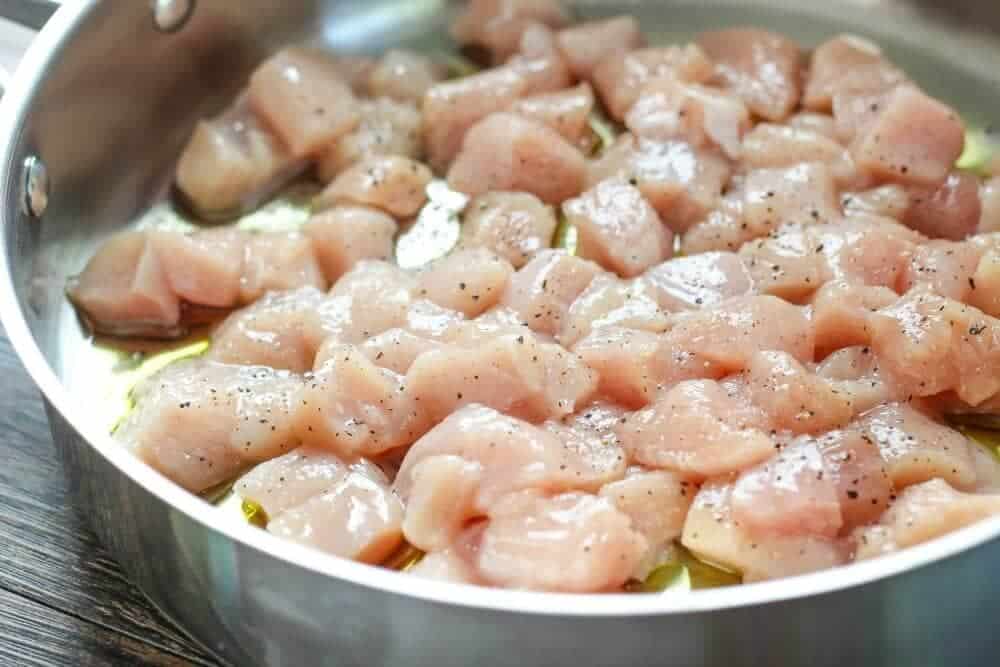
x=63 y=600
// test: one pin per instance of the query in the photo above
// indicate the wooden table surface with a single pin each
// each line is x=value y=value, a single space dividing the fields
x=63 y=600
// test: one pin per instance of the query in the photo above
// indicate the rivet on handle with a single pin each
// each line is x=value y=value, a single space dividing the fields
x=171 y=15
x=35 y=187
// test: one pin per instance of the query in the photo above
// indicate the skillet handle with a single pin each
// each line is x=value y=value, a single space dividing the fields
x=29 y=13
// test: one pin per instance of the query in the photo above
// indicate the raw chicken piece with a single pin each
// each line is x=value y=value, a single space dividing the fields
x=793 y=493
x=682 y=183
x=771 y=146
x=698 y=281
x=565 y=111
x=831 y=66
x=404 y=76
x=762 y=67
x=723 y=228
x=586 y=45
x=712 y=533
x=470 y=281
x=854 y=372
x=804 y=194
x=854 y=465
x=929 y=344
x=345 y=235
x=989 y=196
x=277 y=262
x=699 y=430
x=512 y=455
x=625 y=361
x=914 y=140
x=232 y=163
x=785 y=264
x=508 y=152
x=668 y=109
x=203 y=268
x=528 y=537
x=541 y=293
x=950 y=211
x=446 y=566
x=515 y=225
x=397 y=349
x=354 y=70
x=358 y=517
x=618 y=229
x=302 y=95
x=452 y=107
x=356 y=408
x=500 y=321
x=609 y=302
x=377 y=296
x=841 y=313
x=866 y=250
x=985 y=284
x=540 y=63
x=442 y=499
x=590 y=434
x=517 y=374
x=886 y=201
x=795 y=398
x=620 y=78
x=916 y=448
x=124 y=290
x=497 y=25
x=393 y=183
x=198 y=423
x=945 y=267
x=921 y=513
x=386 y=128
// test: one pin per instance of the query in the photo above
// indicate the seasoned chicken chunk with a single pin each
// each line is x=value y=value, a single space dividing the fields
x=952 y=210
x=586 y=45
x=470 y=281
x=206 y=267
x=609 y=302
x=345 y=235
x=404 y=76
x=832 y=65
x=542 y=292
x=514 y=225
x=387 y=127
x=565 y=111
x=277 y=262
x=698 y=281
x=393 y=183
x=497 y=25
x=625 y=361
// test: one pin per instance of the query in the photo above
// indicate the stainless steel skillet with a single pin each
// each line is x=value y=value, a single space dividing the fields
x=104 y=100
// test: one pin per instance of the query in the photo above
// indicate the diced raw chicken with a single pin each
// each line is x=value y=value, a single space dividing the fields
x=886 y=201
x=984 y=284
x=441 y=500
x=921 y=513
x=866 y=250
x=625 y=361
x=358 y=517
x=668 y=109
x=855 y=372
x=989 y=197
x=446 y=566
x=771 y=146
x=565 y=111
x=795 y=398
x=528 y=537
x=586 y=45
x=819 y=123
x=393 y=183
x=198 y=423
x=356 y=408
x=841 y=312
x=712 y=533
x=723 y=228
x=203 y=268
x=354 y=69
x=232 y=163
x=404 y=76
x=590 y=435
x=855 y=467
x=831 y=63
x=916 y=448
x=515 y=225
x=450 y=108
x=785 y=264
x=470 y=281
x=699 y=430
x=344 y=235
x=542 y=292
x=949 y=211
x=500 y=321
x=609 y=302
x=793 y=493
x=945 y=267
x=397 y=349
x=804 y=194
x=516 y=374
x=386 y=128
x=762 y=67
x=914 y=140
x=497 y=25
x=681 y=182
x=657 y=501
x=929 y=344
x=508 y=152
x=376 y=296
x=512 y=455
x=302 y=95
x=618 y=229
x=540 y=63
x=698 y=281
x=124 y=290
x=277 y=262
x=620 y=78
x=712 y=343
